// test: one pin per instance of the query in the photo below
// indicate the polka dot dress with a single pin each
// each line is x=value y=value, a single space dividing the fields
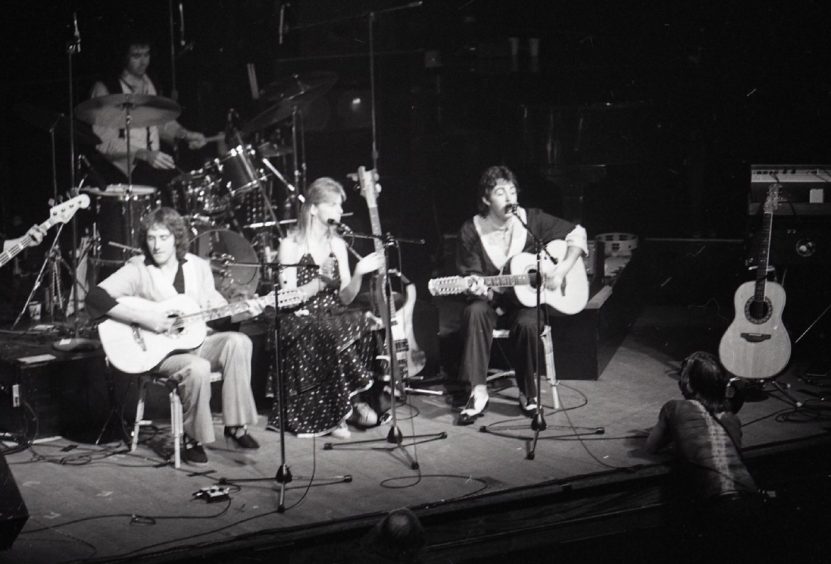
x=326 y=357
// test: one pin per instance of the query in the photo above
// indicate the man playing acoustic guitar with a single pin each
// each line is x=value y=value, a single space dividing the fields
x=164 y=271
x=486 y=243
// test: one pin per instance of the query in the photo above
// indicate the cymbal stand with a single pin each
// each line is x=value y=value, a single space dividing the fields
x=394 y=437
x=298 y=142
x=284 y=476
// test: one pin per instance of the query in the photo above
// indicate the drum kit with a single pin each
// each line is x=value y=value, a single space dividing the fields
x=227 y=202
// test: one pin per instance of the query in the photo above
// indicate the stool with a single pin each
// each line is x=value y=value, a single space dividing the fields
x=176 y=415
x=495 y=373
x=548 y=352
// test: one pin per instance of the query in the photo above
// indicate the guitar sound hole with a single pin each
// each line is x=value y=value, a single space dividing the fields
x=533 y=278
x=758 y=311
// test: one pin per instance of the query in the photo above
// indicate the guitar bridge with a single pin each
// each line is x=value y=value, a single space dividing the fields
x=755 y=337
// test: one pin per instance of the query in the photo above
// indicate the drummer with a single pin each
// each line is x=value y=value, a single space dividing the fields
x=151 y=165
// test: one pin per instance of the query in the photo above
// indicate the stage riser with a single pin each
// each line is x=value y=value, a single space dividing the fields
x=13 y=512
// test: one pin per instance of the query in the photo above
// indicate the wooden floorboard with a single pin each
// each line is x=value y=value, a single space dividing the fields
x=88 y=504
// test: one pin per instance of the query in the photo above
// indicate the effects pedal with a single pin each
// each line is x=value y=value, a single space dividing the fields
x=212 y=494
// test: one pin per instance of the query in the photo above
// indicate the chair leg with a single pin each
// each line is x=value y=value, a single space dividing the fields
x=176 y=424
x=550 y=367
x=142 y=396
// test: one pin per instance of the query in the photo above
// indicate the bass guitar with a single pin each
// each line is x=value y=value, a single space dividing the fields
x=569 y=299
x=756 y=344
x=409 y=358
x=57 y=214
x=133 y=349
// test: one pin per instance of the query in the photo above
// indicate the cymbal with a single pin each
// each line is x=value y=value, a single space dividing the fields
x=298 y=88
x=49 y=120
x=273 y=115
x=111 y=110
x=269 y=150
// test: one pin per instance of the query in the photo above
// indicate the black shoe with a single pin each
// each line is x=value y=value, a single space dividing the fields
x=241 y=437
x=470 y=414
x=194 y=453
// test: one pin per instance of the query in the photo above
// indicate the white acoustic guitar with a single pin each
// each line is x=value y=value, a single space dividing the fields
x=57 y=214
x=756 y=345
x=571 y=298
x=133 y=349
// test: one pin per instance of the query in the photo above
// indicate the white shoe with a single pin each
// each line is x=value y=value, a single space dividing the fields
x=341 y=432
x=528 y=407
x=363 y=415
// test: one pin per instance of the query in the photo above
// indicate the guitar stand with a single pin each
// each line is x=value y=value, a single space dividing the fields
x=764 y=394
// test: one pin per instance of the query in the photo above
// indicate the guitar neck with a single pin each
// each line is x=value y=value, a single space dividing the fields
x=214 y=313
x=16 y=249
x=763 y=257
x=224 y=311
x=507 y=280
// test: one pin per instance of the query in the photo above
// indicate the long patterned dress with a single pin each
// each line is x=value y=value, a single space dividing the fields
x=326 y=352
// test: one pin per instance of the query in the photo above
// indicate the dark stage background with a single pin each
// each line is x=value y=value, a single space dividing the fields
x=636 y=116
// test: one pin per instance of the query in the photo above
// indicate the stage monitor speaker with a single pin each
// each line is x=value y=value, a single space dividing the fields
x=795 y=241
x=13 y=513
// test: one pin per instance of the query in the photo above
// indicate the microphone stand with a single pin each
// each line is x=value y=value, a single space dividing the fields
x=76 y=342
x=284 y=476
x=394 y=437
x=538 y=421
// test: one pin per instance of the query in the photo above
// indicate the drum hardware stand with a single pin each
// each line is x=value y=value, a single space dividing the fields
x=394 y=436
x=284 y=476
x=292 y=194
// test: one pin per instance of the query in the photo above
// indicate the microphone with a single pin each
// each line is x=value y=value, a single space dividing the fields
x=182 y=41
x=93 y=172
x=341 y=228
x=77 y=32
x=511 y=208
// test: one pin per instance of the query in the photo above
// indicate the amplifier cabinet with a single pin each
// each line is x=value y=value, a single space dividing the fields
x=44 y=392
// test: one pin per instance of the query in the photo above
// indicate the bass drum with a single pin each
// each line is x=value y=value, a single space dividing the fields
x=234 y=263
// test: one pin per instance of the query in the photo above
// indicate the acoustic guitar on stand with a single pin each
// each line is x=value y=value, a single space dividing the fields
x=756 y=345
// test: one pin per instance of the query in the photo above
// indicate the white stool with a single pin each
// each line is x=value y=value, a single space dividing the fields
x=550 y=369
x=176 y=416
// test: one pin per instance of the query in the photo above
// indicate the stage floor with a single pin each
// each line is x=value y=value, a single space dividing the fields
x=88 y=502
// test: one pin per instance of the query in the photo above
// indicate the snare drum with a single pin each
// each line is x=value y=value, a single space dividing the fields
x=118 y=213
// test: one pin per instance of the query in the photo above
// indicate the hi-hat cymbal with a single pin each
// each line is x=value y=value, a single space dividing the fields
x=144 y=110
x=298 y=88
x=49 y=120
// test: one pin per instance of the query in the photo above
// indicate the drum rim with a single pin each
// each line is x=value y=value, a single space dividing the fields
x=137 y=190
